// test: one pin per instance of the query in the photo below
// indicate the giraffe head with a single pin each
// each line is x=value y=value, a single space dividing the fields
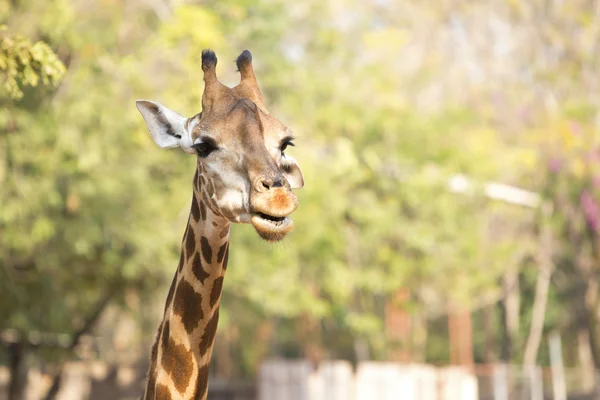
x=243 y=174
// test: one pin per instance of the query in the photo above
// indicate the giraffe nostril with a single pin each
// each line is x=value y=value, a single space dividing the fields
x=269 y=184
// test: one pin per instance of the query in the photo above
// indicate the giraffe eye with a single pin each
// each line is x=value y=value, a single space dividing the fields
x=285 y=144
x=204 y=148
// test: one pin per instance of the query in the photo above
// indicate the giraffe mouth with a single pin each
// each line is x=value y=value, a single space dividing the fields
x=271 y=218
x=270 y=227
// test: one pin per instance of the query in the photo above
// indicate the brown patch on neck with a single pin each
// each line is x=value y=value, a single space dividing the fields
x=216 y=290
x=224 y=232
x=210 y=331
x=202 y=383
x=221 y=252
x=229 y=215
x=162 y=393
x=210 y=190
x=177 y=361
x=153 y=372
x=203 y=210
x=171 y=292
x=188 y=305
x=195 y=209
x=206 y=249
x=226 y=259
x=181 y=262
x=198 y=269
x=211 y=206
x=164 y=341
x=190 y=243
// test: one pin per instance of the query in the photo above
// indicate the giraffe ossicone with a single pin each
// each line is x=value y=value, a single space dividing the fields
x=242 y=176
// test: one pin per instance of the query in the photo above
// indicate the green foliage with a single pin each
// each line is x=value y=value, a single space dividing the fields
x=25 y=64
x=89 y=205
x=78 y=221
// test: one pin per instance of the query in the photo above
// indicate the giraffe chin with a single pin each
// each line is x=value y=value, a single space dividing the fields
x=269 y=230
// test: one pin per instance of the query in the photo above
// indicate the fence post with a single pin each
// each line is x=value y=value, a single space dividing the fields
x=535 y=380
x=457 y=383
x=284 y=380
x=383 y=381
x=500 y=381
x=334 y=380
x=558 y=372
x=425 y=377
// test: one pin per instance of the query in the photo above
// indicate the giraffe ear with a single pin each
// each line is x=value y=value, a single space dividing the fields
x=292 y=172
x=166 y=127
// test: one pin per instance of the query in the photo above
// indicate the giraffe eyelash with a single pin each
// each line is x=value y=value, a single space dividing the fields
x=203 y=149
x=285 y=144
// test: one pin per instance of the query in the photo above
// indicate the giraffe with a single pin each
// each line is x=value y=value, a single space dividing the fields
x=242 y=176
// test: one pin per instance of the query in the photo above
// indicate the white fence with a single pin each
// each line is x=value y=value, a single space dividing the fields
x=336 y=380
x=333 y=380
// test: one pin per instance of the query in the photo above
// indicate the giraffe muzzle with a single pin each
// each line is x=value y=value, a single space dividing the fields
x=271 y=228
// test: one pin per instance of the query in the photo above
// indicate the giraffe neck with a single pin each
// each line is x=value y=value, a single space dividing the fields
x=181 y=354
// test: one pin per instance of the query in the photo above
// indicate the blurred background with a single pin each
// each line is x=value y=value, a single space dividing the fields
x=449 y=227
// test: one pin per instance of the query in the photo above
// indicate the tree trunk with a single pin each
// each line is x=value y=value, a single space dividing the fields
x=419 y=340
x=591 y=297
x=542 y=286
x=489 y=352
x=512 y=301
x=354 y=262
x=505 y=342
x=87 y=326
x=398 y=326
x=591 y=309
x=460 y=335
x=18 y=371
x=586 y=362
x=538 y=314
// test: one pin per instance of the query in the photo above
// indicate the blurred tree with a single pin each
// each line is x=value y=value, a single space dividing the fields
x=24 y=63
x=572 y=167
x=389 y=101
x=76 y=232
x=377 y=167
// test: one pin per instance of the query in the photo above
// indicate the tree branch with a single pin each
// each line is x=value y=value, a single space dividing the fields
x=545 y=264
x=86 y=327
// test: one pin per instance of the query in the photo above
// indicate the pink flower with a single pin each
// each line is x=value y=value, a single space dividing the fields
x=555 y=165
x=575 y=127
x=593 y=156
x=590 y=210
